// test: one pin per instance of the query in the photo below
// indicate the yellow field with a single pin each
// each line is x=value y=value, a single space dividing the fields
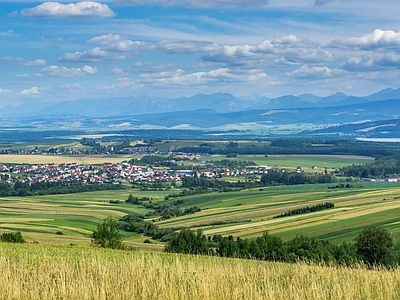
x=59 y=159
x=68 y=272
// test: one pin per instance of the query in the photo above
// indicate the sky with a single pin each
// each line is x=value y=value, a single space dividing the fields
x=59 y=51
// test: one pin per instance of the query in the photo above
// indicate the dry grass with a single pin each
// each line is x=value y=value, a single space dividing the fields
x=61 y=272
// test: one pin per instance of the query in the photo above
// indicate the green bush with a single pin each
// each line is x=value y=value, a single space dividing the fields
x=12 y=237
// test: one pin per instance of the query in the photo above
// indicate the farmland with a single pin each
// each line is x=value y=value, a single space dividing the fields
x=71 y=218
x=247 y=213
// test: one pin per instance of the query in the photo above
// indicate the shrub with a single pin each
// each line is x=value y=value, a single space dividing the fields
x=12 y=237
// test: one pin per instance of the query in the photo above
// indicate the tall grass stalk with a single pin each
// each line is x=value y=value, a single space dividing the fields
x=32 y=271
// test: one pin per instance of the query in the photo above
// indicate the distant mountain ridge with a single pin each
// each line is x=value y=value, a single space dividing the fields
x=338 y=112
x=220 y=102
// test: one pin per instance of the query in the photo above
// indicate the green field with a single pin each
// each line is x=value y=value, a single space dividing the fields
x=250 y=213
x=304 y=161
x=246 y=213
x=39 y=218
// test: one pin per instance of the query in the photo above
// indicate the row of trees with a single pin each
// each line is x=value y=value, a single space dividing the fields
x=51 y=188
x=373 y=246
x=307 y=209
x=286 y=178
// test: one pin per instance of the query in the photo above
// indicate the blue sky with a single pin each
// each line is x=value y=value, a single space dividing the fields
x=57 y=51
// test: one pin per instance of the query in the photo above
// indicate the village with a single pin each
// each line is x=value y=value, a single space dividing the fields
x=112 y=173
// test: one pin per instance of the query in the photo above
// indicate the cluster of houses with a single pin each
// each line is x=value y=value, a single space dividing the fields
x=109 y=173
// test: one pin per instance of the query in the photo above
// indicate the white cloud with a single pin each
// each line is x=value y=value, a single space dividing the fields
x=372 y=62
x=4 y=92
x=312 y=73
x=23 y=62
x=92 y=55
x=34 y=63
x=286 y=51
x=80 y=9
x=378 y=39
x=217 y=76
x=116 y=42
x=28 y=92
x=57 y=71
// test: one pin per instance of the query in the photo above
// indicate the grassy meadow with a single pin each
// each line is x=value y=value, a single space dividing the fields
x=34 y=271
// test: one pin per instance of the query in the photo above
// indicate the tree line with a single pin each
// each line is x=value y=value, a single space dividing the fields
x=51 y=188
x=286 y=178
x=307 y=209
x=382 y=167
x=373 y=246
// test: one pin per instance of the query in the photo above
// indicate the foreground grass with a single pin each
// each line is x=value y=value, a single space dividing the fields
x=60 y=272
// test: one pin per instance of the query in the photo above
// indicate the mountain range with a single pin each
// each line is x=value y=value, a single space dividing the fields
x=222 y=111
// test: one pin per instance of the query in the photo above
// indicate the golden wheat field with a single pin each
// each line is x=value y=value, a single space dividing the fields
x=35 y=271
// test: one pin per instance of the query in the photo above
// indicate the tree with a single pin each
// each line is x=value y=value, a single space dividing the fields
x=107 y=235
x=375 y=246
x=12 y=237
x=188 y=242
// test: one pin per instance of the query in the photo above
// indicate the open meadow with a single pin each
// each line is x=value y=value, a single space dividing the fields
x=34 y=271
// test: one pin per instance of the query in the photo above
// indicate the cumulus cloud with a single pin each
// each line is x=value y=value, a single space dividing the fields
x=23 y=62
x=376 y=40
x=200 y=4
x=57 y=71
x=36 y=62
x=92 y=55
x=217 y=76
x=312 y=73
x=85 y=9
x=116 y=47
x=372 y=62
x=288 y=50
x=28 y=92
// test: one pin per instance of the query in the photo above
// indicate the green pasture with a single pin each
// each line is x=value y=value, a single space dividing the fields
x=245 y=214
x=304 y=161
x=39 y=218
x=250 y=213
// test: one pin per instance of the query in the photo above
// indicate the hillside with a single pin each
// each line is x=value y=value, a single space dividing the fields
x=34 y=271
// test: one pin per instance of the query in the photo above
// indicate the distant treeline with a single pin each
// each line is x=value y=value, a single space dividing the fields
x=382 y=167
x=307 y=209
x=286 y=178
x=298 y=146
x=51 y=188
x=164 y=211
